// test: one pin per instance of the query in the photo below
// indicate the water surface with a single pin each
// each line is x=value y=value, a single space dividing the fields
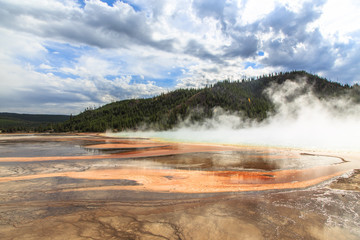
x=90 y=186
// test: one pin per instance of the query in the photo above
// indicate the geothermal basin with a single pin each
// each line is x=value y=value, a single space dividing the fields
x=93 y=186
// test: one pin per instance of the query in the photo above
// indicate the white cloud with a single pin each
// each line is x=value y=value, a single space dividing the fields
x=339 y=20
x=251 y=10
x=45 y=66
x=24 y=89
x=91 y=66
x=206 y=40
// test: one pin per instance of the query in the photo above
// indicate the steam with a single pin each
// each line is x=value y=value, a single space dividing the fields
x=301 y=120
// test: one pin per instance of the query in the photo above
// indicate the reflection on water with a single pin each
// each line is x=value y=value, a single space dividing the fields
x=223 y=160
x=39 y=148
x=238 y=161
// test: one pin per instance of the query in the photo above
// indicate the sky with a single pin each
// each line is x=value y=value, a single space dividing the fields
x=62 y=56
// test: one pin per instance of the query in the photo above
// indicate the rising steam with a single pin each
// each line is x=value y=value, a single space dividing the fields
x=301 y=120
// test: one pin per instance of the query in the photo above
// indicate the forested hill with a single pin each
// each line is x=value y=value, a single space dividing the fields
x=13 y=122
x=167 y=110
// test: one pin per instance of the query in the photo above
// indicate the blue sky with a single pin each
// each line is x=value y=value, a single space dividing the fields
x=61 y=56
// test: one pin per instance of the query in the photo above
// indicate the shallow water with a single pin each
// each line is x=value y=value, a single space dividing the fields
x=83 y=186
x=240 y=160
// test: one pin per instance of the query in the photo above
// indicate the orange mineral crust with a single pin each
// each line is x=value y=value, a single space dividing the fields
x=81 y=185
x=123 y=146
x=163 y=180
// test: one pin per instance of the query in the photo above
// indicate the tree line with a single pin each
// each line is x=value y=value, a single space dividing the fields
x=163 y=112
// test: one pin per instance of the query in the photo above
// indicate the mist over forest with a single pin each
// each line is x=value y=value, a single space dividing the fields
x=251 y=101
x=276 y=100
x=291 y=109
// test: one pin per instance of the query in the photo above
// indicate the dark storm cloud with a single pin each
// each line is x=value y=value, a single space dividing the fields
x=290 y=23
x=211 y=70
x=314 y=54
x=41 y=95
x=42 y=100
x=292 y=45
x=241 y=46
x=121 y=26
x=247 y=40
x=224 y=11
x=209 y=8
x=348 y=70
x=296 y=47
x=196 y=49
x=96 y=24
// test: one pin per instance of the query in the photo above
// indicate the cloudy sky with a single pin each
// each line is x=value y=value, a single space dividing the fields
x=61 y=56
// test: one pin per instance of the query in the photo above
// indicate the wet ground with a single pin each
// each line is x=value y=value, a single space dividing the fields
x=87 y=186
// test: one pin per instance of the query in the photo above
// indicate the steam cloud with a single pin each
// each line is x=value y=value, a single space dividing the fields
x=302 y=120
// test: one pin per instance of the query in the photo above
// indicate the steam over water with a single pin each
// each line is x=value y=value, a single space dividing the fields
x=77 y=185
x=301 y=121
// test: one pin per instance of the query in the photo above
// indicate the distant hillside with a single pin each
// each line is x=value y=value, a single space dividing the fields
x=165 y=111
x=13 y=122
